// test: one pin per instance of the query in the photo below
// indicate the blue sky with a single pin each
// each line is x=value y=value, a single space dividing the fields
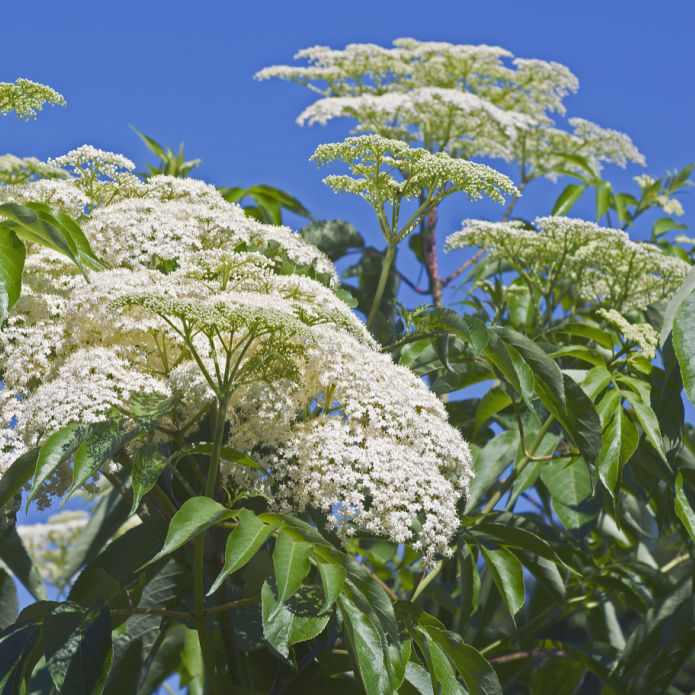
x=182 y=71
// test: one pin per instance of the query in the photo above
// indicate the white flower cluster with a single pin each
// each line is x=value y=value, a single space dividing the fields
x=462 y=99
x=191 y=280
x=373 y=159
x=14 y=170
x=603 y=265
x=642 y=334
x=25 y=98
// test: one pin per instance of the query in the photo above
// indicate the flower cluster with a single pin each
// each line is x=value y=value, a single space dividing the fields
x=462 y=99
x=373 y=160
x=25 y=98
x=603 y=265
x=641 y=334
x=197 y=303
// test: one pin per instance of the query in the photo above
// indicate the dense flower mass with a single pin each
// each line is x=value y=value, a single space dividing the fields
x=462 y=99
x=200 y=303
x=602 y=264
x=25 y=98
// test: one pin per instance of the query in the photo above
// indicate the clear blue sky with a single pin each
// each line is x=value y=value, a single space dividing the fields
x=182 y=71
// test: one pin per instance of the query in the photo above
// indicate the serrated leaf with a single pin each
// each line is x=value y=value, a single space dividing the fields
x=105 y=441
x=508 y=574
x=620 y=440
x=332 y=578
x=490 y=404
x=16 y=645
x=195 y=516
x=291 y=564
x=148 y=464
x=149 y=408
x=647 y=418
x=242 y=544
x=77 y=646
x=55 y=451
x=684 y=291
x=296 y=620
x=366 y=647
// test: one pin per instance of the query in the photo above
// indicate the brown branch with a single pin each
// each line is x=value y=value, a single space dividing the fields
x=386 y=587
x=463 y=266
x=528 y=654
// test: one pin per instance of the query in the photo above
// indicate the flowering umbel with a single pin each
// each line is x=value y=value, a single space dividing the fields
x=197 y=304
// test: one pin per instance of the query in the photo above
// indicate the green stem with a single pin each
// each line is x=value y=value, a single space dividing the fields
x=199 y=553
x=383 y=279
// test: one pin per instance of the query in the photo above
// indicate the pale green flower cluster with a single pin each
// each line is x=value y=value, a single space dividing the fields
x=642 y=334
x=14 y=170
x=25 y=98
x=386 y=171
x=602 y=265
x=463 y=99
x=197 y=304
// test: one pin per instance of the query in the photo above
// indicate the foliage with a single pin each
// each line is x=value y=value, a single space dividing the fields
x=497 y=497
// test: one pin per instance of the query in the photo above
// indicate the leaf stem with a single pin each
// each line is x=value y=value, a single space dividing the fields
x=383 y=279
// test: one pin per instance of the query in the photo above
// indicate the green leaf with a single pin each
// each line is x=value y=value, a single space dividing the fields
x=580 y=420
x=148 y=464
x=684 y=291
x=489 y=463
x=17 y=644
x=646 y=416
x=620 y=440
x=508 y=574
x=242 y=544
x=149 y=408
x=12 y=255
x=490 y=404
x=603 y=199
x=17 y=475
x=333 y=237
x=8 y=600
x=684 y=343
x=195 y=516
x=101 y=446
x=664 y=225
x=105 y=519
x=570 y=487
x=525 y=379
x=70 y=230
x=569 y=196
x=15 y=556
x=77 y=647
x=226 y=453
x=480 y=678
x=366 y=647
x=296 y=620
x=27 y=224
x=684 y=505
x=291 y=563
x=152 y=145
x=55 y=451
x=512 y=536
x=440 y=670
x=332 y=578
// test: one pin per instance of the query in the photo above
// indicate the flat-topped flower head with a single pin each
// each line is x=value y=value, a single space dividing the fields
x=463 y=99
x=384 y=170
x=604 y=265
x=25 y=98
